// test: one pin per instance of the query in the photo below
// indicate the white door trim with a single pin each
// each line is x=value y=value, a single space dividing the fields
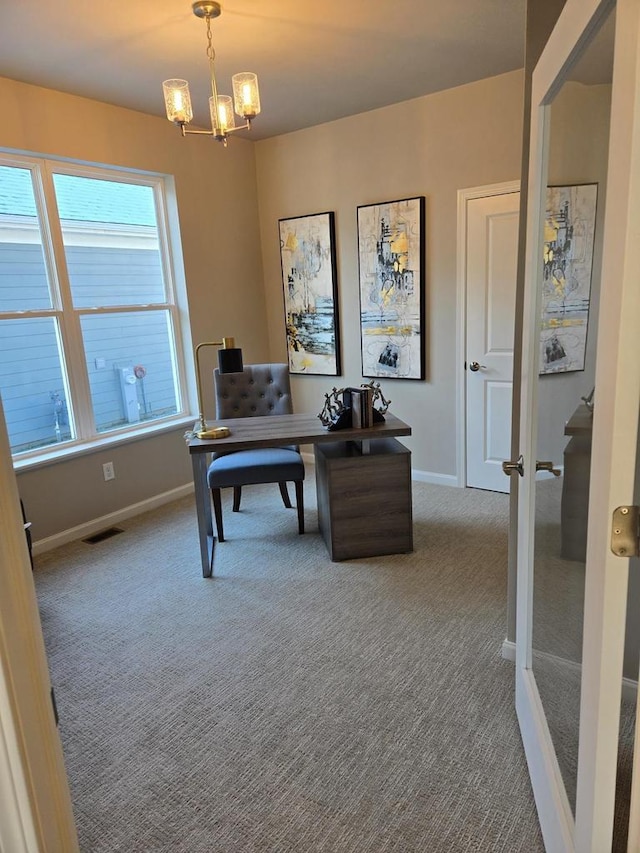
x=35 y=805
x=464 y=196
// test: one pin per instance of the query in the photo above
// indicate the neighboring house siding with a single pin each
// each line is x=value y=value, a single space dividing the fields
x=29 y=374
x=97 y=275
x=30 y=377
x=23 y=278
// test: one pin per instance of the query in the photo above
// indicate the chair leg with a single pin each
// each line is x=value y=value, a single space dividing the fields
x=300 y=505
x=237 y=495
x=217 y=511
x=285 y=495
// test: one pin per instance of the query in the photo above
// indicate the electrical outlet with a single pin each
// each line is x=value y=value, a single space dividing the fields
x=109 y=471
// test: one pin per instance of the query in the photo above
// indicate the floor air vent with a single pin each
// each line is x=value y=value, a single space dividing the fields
x=104 y=534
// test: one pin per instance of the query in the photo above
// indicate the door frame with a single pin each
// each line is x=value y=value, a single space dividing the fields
x=35 y=804
x=612 y=474
x=464 y=197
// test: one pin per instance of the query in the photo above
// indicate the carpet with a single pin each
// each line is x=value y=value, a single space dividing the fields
x=289 y=703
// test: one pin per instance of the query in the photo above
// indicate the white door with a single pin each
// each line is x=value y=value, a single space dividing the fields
x=571 y=588
x=491 y=267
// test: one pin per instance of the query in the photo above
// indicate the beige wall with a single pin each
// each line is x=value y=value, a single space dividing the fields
x=431 y=146
x=217 y=206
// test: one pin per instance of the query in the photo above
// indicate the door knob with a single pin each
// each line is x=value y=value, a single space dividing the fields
x=548 y=466
x=509 y=468
x=474 y=367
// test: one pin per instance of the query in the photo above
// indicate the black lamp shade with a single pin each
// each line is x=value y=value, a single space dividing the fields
x=230 y=360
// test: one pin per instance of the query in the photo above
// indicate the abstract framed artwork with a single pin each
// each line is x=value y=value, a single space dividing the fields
x=569 y=229
x=391 y=264
x=308 y=261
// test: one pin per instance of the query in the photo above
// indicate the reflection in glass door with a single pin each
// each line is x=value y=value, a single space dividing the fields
x=570 y=295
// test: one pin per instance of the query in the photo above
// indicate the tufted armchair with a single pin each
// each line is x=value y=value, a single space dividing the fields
x=261 y=389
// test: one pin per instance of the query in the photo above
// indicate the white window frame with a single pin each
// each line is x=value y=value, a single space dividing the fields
x=77 y=390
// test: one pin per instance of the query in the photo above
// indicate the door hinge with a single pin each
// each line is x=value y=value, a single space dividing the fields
x=624 y=531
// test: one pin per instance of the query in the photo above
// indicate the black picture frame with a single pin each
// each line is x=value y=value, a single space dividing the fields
x=391 y=264
x=310 y=291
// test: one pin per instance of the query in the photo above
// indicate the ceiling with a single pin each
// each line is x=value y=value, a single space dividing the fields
x=315 y=61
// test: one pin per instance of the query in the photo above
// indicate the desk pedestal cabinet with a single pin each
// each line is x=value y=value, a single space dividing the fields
x=364 y=498
x=575 y=486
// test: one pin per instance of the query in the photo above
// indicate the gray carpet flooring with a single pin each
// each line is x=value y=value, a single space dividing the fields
x=289 y=703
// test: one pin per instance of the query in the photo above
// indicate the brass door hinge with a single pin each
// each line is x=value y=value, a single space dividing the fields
x=624 y=531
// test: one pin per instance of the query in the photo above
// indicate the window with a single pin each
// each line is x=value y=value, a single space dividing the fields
x=89 y=323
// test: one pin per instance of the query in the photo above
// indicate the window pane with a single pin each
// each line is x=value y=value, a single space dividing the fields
x=32 y=383
x=23 y=275
x=111 y=245
x=131 y=366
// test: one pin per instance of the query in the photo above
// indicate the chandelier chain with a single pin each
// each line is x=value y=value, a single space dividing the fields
x=211 y=55
x=210 y=51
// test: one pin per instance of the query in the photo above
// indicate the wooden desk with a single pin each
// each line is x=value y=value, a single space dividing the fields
x=348 y=444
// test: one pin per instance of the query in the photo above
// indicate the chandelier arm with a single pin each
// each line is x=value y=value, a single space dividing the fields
x=217 y=133
x=190 y=132
x=246 y=126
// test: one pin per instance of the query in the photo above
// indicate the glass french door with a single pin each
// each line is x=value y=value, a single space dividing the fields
x=579 y=410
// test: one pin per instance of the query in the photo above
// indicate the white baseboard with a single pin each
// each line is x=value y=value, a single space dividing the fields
x=97 y=524
x=509 y=650
x=629 y=686
x=434 y=479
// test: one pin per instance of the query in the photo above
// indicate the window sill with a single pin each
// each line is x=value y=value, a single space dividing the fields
x=53 y=456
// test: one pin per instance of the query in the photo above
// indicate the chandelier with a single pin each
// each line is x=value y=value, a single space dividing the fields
x=246 y=97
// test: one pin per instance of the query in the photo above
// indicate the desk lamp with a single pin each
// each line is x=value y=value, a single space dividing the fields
x=229 y=361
